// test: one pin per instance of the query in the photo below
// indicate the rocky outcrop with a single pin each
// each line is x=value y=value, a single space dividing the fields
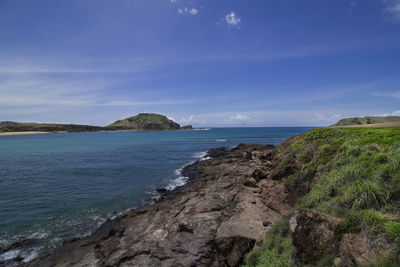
x=314 y=234
x=359 y=250
x=187 y=127
x=227 y=209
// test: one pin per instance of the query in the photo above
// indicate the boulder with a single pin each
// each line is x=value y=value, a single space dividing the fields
x=314 y=234
x=355 y=250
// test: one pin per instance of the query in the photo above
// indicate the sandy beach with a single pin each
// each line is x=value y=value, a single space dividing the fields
x=21 y=133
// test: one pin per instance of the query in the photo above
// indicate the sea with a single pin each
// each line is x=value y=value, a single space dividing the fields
x=55 y=187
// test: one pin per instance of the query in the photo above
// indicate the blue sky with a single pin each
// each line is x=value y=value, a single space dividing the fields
x=200 y=62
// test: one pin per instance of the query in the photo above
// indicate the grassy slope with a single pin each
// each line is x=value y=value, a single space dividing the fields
x=143 y=119
x=367 y=120
x=354 y=173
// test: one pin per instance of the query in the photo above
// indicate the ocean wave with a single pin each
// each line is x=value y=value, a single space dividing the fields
x=180 y=181
x=9 y=255
x=221 y=140
x=201 y=129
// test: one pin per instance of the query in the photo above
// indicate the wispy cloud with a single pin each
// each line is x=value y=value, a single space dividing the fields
x=38 y=69
x=385 y=94
x=237 y=119
x=232 y=20
x=188 y=11
x=352 y=4
x=392 y=10
x=31 y=90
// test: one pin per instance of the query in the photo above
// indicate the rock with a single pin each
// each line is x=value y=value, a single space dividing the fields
x=282 y=172
x=187 y=127
x=231 y=250
x=266 y=223
x=216 y=153
x=251 y=182
x=354 y=247
x=258 y=174
x=314 y=234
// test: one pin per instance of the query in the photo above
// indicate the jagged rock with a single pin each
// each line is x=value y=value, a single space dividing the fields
x=213 y=221
x=217 y=152
x=314 y=234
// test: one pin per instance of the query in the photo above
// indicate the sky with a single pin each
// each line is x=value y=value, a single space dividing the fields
x=224 y=63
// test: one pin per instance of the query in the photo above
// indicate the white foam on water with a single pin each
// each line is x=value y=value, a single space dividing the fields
x=181 y=180
x=221 y=140
x=9 y=255
x=28 y=256
x=201 y=129
x=38 y=235
x=200 y=155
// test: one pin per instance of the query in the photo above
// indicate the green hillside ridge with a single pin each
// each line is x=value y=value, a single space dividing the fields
x=367 y=120
x=48 y=127
x=350 y=173
x=145 y=122
x=140 y=122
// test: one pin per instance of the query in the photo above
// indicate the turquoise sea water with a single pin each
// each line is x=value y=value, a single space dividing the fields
x=58 y=186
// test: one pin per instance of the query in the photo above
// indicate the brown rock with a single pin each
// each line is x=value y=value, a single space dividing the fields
x=231 y=250
x=314 y=234
x=251 y=182
x=356 y=248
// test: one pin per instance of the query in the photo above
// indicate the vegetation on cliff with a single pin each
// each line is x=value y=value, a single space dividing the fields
x=350 y=173
x=47 y=127
x=367 y=120
x=146 y=121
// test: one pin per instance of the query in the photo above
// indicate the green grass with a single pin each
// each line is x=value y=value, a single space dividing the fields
x=354 y=173
x=276 y=250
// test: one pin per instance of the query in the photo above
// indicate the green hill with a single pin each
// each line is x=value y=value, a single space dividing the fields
x=367 y=120
x=146 y=122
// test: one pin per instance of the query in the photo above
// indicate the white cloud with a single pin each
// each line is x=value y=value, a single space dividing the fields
x=396 y=113
x=188 y=11
x=232 y=20
x=392 y=10
x=393 y=94
x=237 y=119
x=173 y=1
x=188 y=120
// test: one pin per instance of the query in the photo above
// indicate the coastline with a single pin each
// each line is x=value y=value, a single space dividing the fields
x=21 y=133
x=187 y=223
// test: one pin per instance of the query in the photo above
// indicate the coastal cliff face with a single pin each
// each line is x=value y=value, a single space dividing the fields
x=344 y=186
x=329 y=197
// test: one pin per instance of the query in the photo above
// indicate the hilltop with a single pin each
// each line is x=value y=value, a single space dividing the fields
x=367 y=120
x=146 y=122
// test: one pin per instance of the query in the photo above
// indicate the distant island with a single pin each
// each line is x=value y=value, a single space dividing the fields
x=140 y=122
x=368 y=120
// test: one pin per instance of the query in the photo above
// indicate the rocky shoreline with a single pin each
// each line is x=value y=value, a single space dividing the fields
x=221 y=214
